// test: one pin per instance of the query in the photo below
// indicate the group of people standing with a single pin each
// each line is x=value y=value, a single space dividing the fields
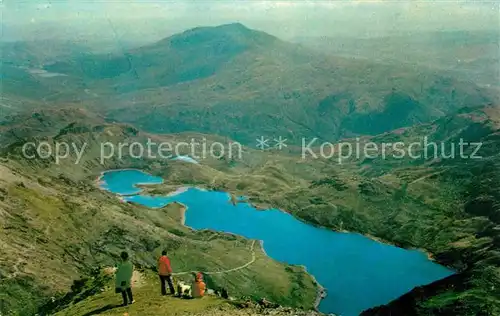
x=125 y=271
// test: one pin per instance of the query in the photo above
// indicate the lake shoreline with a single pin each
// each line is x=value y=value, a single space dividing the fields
x=235 y=201
x=321 y=290
x=183 y=209
x=99 y=182
x=428 y=254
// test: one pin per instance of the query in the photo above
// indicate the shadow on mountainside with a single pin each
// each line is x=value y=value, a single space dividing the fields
x=102 y=309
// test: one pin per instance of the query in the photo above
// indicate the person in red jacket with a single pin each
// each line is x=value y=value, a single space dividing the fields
x=165 y=273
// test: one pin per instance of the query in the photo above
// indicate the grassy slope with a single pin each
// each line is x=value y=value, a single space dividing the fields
x=148 y=302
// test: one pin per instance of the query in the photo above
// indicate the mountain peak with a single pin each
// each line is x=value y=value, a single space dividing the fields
x=235 y=33
x=233 y=26
x=229 y=27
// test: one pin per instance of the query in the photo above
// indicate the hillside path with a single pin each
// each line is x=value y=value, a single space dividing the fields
x=428 y=176
x=229 y=270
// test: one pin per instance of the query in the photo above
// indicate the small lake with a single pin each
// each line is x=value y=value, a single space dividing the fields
x=357 y=272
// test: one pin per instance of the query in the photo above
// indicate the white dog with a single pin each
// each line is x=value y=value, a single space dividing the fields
x=183 y=289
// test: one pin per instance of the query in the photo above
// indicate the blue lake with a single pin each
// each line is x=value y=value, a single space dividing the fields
x=124 y=182
x=357 y=272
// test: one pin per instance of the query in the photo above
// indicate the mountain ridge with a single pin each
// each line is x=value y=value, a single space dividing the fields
x=233 y=78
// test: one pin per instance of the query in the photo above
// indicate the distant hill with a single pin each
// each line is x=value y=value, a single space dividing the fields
x=470 y=55
x=194 y=54
x=233 y=81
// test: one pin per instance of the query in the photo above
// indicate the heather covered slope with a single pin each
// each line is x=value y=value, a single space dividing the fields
x=241 y=83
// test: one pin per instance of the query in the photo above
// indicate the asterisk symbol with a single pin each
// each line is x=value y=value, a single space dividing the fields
x=262 y=143
x=280 y=143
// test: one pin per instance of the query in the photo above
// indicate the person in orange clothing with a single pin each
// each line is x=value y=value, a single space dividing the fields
x=198 y=288
x=165 y=273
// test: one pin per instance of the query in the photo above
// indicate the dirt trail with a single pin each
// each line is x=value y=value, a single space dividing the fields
x=17 y=271
x=137 y=278
x=228 y=270
x=428 y=176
